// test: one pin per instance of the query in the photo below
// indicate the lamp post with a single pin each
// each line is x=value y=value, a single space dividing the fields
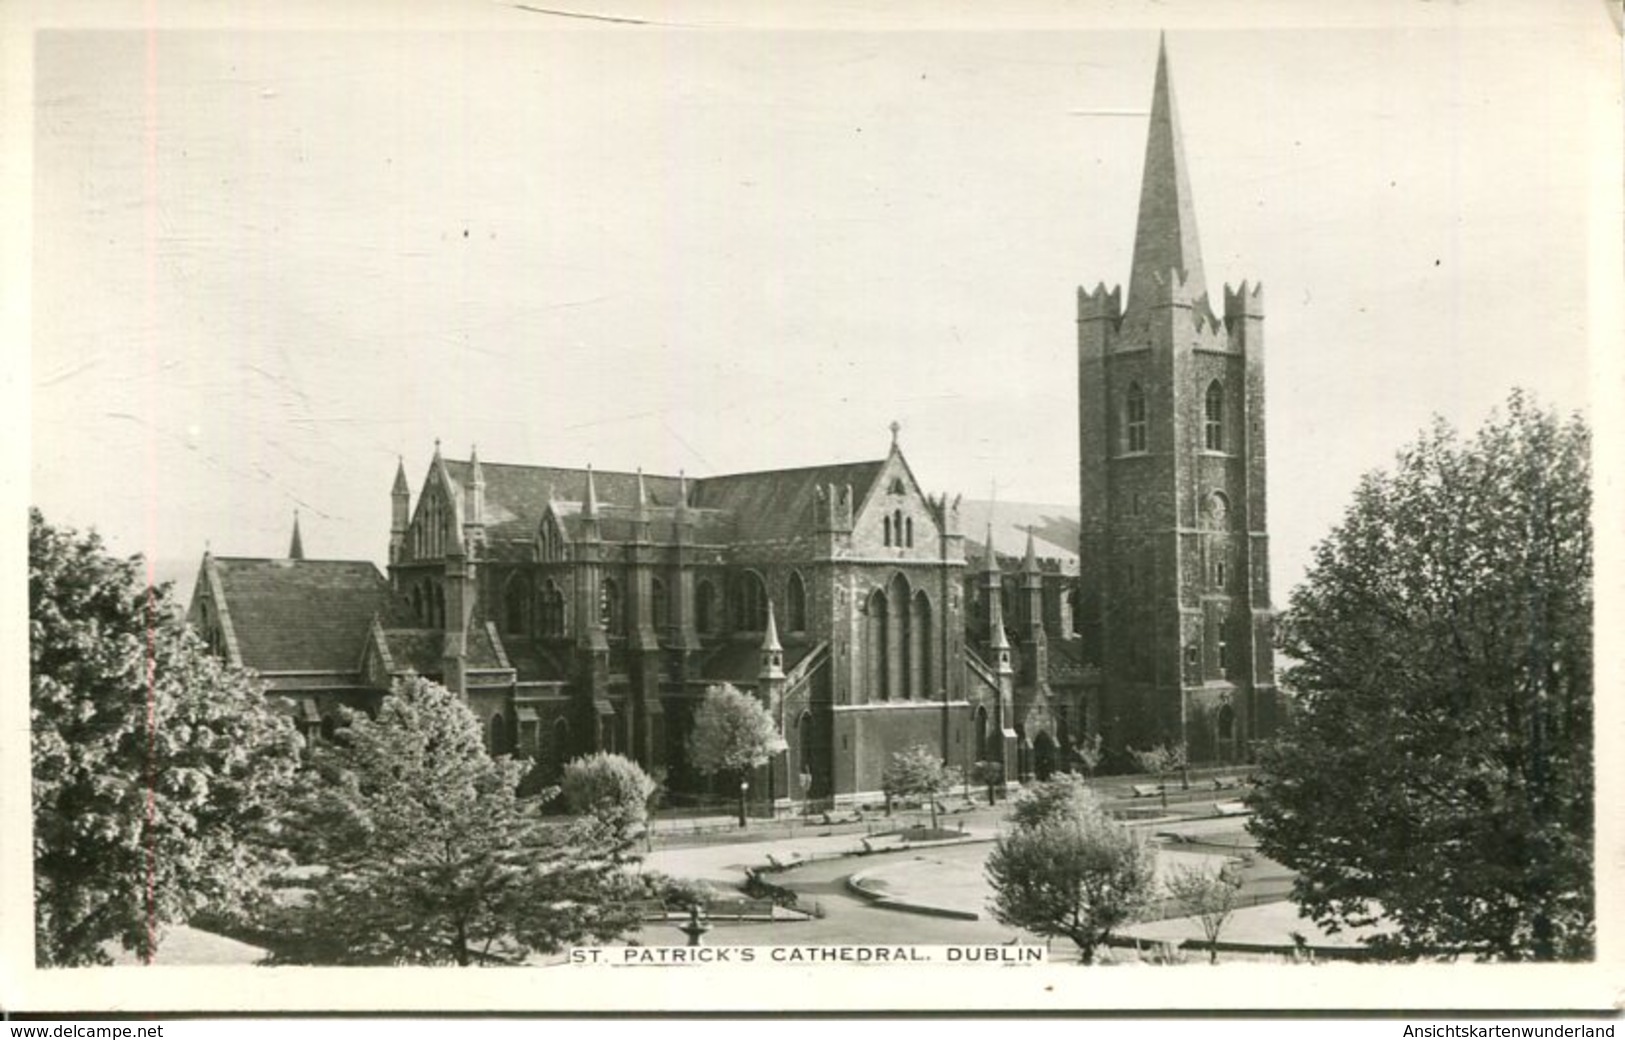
x=744 y=790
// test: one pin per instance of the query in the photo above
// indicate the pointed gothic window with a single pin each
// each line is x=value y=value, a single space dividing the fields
x=659 y=605
x=796 y=598
x=513 y=612
x=749 y=603
x=1214 y=411
x=611 y=613
x=887 y=522
x=1134 y=420
x=908 y=531
x=704 y=608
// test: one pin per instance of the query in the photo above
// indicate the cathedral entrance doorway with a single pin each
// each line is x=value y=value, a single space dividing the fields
x=1043 y=756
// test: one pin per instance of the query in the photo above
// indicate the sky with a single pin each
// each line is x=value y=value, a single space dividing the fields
x=269 y=259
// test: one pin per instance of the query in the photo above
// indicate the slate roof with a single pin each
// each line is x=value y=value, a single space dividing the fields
x=1055 y=531
x=303 y=615
x=778 y=504
x=708 y=526
x=754 y=507
x=422 y=649
x=740 y=661
x=517 y=496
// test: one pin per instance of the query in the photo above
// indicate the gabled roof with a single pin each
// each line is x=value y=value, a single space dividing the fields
x=302 y=615
x=764 y=506
x=778 y=504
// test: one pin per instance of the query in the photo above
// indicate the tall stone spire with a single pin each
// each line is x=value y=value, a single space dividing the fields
x=296 y=548
x=1165 y=239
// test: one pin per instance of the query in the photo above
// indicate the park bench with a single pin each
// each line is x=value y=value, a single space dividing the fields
x=1147 y=790
x=1222 y=782
x=1230 y=808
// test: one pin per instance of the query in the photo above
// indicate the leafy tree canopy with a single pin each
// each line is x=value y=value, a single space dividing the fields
x=732 y=735
x=610 y=788
x=1074 y=873
x=431 y=857
x=732 y=732
x=919 y=772
x=157 y=769
x=1209 y=897
x=1439 y=767
x=1062 y=797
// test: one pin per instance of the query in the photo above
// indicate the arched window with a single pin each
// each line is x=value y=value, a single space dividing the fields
x=920 y=647
x=875 y=631
x=1134 y=419
x=552 y=619
x=887 y=522
x=1227 y=723
x=749 y=602
x=1213 y=410
x=908 y=529
x=705 y=608
x=439 y=593
x=611 y=613
x=897 y=526
x=514 y=600
x=659 y=604
x=499 y=735
x=897 y=638
x=982 y=748
x=796 y=603
x=417 y=601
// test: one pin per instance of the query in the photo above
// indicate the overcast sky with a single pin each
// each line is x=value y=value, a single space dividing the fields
x=265 y=263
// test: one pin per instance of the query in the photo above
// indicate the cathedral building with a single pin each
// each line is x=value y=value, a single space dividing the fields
x=577 y=610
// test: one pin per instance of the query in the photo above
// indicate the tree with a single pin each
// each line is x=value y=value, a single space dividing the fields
x=612 y=789
x=1438 y=771
x=157 y=769
x=431 y=856
x=1160 y=760
x=990 y=773
x=918 y=772
x=1058 y=798
x=732 y=735
x=1089 y=751
x=1074 y=873
x=1211 y=898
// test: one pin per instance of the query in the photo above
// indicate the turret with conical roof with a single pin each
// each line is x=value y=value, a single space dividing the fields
x=296 y=547
x=400 y=512
x=772 y=652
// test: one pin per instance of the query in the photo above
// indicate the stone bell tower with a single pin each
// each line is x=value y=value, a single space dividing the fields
x=1174 y=544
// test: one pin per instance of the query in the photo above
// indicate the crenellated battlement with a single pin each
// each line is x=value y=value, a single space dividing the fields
x=1100 y=304
x=1211 y=332
x=1244 y=302
x=1178 y=287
